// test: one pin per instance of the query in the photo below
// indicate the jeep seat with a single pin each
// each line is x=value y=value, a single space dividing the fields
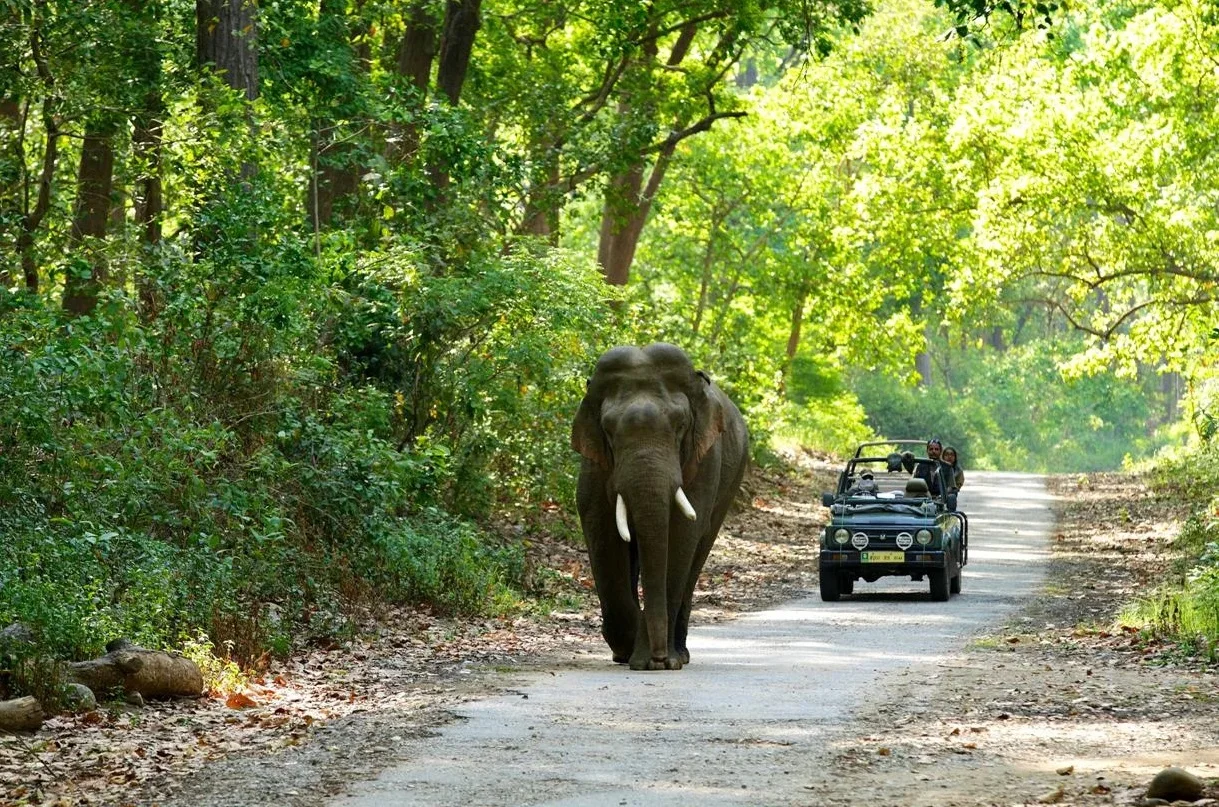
x=916 y=488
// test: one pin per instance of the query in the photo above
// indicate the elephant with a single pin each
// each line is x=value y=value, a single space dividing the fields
x=664 y=452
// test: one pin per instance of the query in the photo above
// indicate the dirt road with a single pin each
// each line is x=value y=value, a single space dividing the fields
x=751 y=720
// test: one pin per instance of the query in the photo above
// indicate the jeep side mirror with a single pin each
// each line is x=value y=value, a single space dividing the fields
x=951 y=501
x=827 y=499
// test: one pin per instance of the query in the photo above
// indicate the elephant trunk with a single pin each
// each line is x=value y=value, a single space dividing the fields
x=650 y=519
x=622 y=516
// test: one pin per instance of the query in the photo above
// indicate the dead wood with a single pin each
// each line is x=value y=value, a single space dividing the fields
x=21 y=714
x=129 y=668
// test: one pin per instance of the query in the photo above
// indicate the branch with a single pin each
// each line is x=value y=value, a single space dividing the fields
x=1107 y=334
x=1171 y=267
x=670 y=142
x=597 y=100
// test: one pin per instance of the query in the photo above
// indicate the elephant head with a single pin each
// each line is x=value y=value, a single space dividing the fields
x=664 y=451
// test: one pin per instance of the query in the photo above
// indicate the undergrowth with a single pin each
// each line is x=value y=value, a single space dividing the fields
x=1185 y=608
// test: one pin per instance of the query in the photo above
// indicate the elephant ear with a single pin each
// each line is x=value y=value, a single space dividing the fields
x=586 y=434
x=707 y=409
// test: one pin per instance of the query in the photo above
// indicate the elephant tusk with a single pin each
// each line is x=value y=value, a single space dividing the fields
x=620 y=518
x=684 y=504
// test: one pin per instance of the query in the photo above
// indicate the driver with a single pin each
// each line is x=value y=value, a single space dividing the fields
x=929 y=472
x=865 y=486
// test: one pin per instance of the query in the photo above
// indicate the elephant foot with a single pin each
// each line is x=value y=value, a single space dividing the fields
x=621 y=659
x=670 y=663
x=684 y=655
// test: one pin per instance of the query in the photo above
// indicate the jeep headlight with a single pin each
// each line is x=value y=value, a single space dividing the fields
x=923 y=537
x=841 y=536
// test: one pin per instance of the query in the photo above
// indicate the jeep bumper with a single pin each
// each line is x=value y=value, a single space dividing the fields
x=884 y=562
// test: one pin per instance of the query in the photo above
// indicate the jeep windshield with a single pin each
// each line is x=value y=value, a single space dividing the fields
x=891 y=483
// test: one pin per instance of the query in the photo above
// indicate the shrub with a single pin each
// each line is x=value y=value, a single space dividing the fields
x=223 y=469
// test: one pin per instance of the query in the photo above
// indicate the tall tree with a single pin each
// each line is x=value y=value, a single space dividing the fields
x=90 y=216
x=338 y=74
x=461 y=24
x=38 y=186
x=226 y=41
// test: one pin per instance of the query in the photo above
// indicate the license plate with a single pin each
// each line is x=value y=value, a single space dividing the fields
x=882 y=557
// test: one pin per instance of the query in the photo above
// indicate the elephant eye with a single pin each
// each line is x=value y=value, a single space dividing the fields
x=679 y=417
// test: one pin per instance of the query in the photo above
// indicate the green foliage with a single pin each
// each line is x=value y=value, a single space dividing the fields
x=440 y=560
x=345 y=354
x=1013 y=410
x=835 y=423
x=220 y=673
x=1185 y=607
x=483 y=363
x=819 y=411
x=240 y=483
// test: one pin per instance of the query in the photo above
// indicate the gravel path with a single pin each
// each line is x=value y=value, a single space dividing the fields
x=750 y=721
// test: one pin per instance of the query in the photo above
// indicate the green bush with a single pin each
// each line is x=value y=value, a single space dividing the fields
x=487 y=359
x=1185 y=608
x=440 y=560
x=263 y=456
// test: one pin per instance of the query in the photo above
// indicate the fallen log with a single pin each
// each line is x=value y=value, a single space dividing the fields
x=21 y=714
x=130 y=668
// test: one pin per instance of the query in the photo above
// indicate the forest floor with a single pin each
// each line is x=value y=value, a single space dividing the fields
x=1061 y=701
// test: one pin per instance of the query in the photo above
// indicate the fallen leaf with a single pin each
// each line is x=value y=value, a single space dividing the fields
x=239 y=701
x=1053 y=797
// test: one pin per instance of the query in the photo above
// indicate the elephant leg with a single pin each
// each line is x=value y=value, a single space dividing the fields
x=682 y=625
x=685 y=562
x=610 y=558
x=705 y=542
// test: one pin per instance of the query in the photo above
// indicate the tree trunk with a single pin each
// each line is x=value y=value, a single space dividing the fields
x=416 y=53
x=11 y=124
x=1170 y=385
x=922 y=363
x=995 y=339
x=335 y=177
x=793 y=336
x=32 y=219
x=226 y=37
x=747 y=76
x=626 y=208
x=461 y=24
x=149 y=201
x=146 y=136
x=542 y=207
x=129 y=668
x=21 y=714
x=90 y=215
x=334 y=159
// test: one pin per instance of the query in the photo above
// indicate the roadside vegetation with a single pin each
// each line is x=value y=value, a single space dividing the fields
x=1184 y=607
x=293 y=324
